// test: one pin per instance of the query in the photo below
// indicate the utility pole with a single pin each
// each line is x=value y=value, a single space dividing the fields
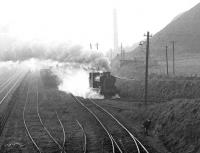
x=173 y=44
x=97 y=46
x=147 y=67
x=90 y=46
x=121 y=52
x=166 y=47
x=110 y=54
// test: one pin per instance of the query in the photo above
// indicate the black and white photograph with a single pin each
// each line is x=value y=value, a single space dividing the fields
x=99 y=76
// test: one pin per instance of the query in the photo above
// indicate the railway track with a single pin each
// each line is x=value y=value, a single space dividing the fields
x=61 y=136
x=122 y=140
x=44 y=140
x=111 y=147
x=75 y=134
x=7 y=81
x=4 y=77
x=84 y=135
x=63 y=131
x=5 y=112
x=12 y=80
x=141 y=146
x=38 y=133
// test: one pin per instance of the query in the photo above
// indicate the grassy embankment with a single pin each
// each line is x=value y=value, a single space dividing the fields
x=161 y=88
x=176 y=122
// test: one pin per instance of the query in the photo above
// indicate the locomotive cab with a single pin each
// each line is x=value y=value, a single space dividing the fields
x=103 y=83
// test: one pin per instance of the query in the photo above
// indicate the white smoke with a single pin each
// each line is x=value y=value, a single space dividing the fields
x=71 y=63
x=75 y=80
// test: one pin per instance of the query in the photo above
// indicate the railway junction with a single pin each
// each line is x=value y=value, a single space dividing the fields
x=39 y=118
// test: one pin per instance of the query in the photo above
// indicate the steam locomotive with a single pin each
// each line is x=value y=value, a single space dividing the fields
x=104 y=83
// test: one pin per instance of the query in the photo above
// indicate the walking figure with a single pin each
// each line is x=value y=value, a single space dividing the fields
x=146 y=126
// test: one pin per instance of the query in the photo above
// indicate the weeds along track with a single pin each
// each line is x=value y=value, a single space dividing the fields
x=37 y=131
x=122 y=140
x=7 y=89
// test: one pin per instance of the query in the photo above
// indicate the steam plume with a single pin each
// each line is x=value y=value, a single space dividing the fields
x=71 y=63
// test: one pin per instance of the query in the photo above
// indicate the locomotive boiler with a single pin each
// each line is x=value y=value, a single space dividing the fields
x=104 y=83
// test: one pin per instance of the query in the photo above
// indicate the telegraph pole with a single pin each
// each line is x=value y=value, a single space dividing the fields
x=147 y=67
x=173 y=43
x=121 y=52
x=97 y=46
x=166 y=47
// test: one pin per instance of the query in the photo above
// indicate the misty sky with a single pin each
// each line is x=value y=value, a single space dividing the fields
x=85 y=21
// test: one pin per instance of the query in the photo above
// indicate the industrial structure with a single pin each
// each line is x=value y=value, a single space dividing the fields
x=115 y=28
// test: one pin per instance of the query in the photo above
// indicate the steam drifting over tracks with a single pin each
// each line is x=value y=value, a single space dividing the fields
x=121 y=138
x=38 y=133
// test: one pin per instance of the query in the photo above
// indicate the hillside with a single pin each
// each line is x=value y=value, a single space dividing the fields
x=184 y=30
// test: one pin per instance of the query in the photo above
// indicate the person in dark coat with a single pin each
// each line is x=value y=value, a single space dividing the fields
x=146 y=126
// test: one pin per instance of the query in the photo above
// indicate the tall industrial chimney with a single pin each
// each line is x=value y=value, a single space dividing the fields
x=115 y=31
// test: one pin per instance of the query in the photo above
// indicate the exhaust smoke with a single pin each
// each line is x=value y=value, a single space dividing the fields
x=76 y=81
x=70 y=63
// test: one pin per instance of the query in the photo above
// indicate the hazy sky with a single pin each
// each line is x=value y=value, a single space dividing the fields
x=85 y=21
